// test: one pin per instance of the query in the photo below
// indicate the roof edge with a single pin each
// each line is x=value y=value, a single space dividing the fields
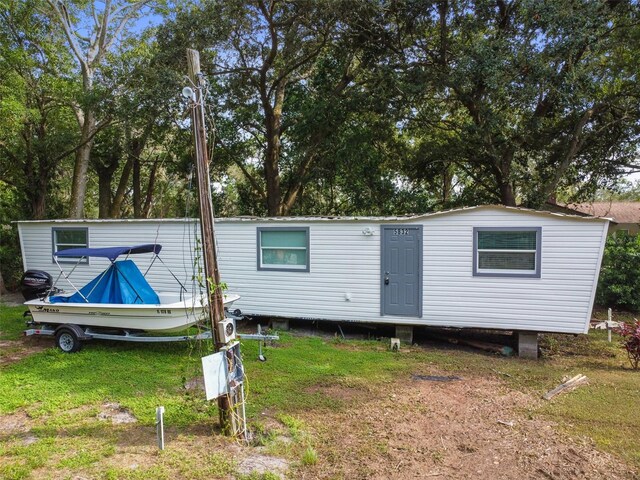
x=328 y=218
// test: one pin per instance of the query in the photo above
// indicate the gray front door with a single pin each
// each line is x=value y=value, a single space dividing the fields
x=402 y=270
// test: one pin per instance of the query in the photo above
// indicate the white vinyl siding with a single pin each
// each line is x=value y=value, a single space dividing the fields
x=559 y=301
x=344 y=282
x=345 y=278
x=177 y=238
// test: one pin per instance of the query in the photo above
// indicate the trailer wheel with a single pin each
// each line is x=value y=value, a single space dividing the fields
x=67 y=340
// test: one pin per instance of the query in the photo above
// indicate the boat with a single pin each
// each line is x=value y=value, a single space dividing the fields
x=120 y=297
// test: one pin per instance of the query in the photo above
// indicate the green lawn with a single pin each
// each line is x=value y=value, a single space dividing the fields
x=61 y=395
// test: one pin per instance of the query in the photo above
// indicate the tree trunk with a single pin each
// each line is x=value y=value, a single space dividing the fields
x=105 y=167
x=573 y=148
x=447 y=183
x=443 y=7
x=45 y=164
x=137 y=200
x=37 y=183
x=118 y=198
x=39 y=203
x=3 y=289
x=273 y=118
x=105 y=177
x=272 y=176
x=502 y=171
x=507 y=196
x=90 y=43
x=135 y=146
x=81 y=167
x=148 y=202
x=272 y=157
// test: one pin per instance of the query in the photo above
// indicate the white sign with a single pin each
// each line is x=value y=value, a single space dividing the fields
x=214 y=368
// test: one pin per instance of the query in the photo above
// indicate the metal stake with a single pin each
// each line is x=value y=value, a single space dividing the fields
x=160 y=427
x=261 y=356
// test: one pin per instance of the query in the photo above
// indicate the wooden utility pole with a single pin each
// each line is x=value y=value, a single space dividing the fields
x=207 y=233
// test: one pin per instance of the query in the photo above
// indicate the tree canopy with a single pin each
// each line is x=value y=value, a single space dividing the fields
x=327 y=107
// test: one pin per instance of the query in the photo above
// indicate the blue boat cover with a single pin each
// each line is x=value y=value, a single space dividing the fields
x=109 y=252
x=121 y=283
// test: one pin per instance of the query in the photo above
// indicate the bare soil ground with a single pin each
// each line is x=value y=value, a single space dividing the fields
x=15 y=350
x=472 y=428
x=12 y=299
x=475 y=427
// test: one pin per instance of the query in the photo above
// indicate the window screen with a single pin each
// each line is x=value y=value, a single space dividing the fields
x=507 y=252
x=283 y=249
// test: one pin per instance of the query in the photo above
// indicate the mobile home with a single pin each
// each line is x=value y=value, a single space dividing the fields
x=490 y=267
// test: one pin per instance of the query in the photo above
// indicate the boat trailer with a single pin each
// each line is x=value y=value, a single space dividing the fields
x=69 y=337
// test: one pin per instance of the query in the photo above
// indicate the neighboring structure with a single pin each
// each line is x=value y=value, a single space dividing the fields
x=488 y=267
x=624 y=216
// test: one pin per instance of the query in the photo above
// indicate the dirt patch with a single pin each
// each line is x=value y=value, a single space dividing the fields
x=355 y=347
x=471 y=428
x=132 y=461
x=115 y=413
x=268 y=428
x=195 y=385
x=15 y=350
x=12 y=299
x=14 y=423
x=137 y=450
x=261 y=464
x=269 y=421
x=337 y=392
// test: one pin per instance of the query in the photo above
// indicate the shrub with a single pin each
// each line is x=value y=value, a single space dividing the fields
x=10 y=259
x=619 y=282
x=630 y=334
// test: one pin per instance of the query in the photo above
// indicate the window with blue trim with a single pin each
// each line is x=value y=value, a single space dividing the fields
x=507 y=252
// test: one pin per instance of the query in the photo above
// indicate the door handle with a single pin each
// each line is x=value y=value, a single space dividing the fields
x=386 y=280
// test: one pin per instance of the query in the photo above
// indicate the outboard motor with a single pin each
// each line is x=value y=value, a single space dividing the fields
x=35 y=284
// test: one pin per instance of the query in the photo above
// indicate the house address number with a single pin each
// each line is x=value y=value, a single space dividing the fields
x=401 y=231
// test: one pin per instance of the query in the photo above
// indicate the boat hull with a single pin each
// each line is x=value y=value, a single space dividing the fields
x=163 y=317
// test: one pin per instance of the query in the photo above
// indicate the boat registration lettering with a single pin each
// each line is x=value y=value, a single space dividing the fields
x=163 y=311
x=104 y=314
x=48 y=310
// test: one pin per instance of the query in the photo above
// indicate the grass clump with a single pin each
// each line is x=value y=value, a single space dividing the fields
x=261 y=435
x=15 y=471
x=309 y=457
x=294 y=425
